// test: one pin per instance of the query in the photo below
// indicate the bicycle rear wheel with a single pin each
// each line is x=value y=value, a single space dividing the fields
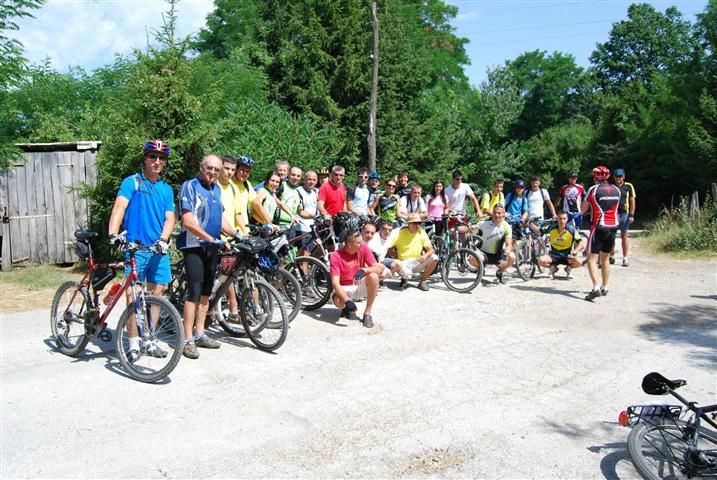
x=315 y=282
x=67 y=318
x=160 y=341
x=524 y=264
x=221 y=312
x=264 y=316
x=290 y=290
x=660 y=450
x=462 y=270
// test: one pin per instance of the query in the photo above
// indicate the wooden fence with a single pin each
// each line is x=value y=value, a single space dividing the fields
x=41 y=205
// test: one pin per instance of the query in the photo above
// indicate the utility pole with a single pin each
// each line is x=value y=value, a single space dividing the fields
x=374 y=93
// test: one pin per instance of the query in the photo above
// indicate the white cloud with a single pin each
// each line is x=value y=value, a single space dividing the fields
x=89 y=33
x=465 y=17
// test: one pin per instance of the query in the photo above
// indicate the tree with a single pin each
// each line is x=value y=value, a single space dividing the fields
x=548 y=84
x=12 y=64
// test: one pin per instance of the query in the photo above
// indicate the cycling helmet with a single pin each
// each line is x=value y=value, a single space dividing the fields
x=574 y=173
x=520 y=183
x=156 y=146
x=618 y=172
x=322 y=171
x=601 y=173
x=346 y=223
x=268 y=261
x=245 y=161
x=374 y=175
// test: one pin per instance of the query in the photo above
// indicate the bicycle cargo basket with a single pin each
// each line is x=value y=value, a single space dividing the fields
x=82 y=249
x=101 y=277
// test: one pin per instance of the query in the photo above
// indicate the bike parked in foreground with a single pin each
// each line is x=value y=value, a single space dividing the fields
x=77 y=314
x=669 y=441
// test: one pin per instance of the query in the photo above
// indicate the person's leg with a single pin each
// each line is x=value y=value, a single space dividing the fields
x=371 y=291
x=211 y=259
x=428 y=266
x=625 y=239
x=195 y=272
x=593 y=270
x=545 y=261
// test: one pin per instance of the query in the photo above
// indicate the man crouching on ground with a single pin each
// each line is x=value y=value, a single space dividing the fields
x=354 y=274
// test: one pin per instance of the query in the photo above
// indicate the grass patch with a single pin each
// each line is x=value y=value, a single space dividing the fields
x=40 y=277
x=676 y=233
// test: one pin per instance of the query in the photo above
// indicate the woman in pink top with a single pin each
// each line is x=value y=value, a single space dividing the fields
x=437 y=205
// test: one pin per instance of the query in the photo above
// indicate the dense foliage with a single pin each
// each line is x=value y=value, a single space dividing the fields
x=291 y=80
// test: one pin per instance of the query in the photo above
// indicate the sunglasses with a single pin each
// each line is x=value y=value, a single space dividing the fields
x=156 y=156
x=390 y=186
x=363 y=176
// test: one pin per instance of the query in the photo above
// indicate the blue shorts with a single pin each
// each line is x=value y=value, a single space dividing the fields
x=577 y=219
x=624 y=222
x=151 y=268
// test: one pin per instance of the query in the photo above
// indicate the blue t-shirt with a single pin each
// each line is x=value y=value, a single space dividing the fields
x=206 y=206
x=515 y=206
x=148 y=203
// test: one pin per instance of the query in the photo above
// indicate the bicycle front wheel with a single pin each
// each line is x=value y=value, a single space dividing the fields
x=660 y=451
x=524 y=264
x=315 y=282
x=462 y=270
x=157 y=342
x=264 y=316
x=67 y=318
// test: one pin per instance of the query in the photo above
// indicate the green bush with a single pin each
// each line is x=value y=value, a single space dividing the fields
x=674 y=230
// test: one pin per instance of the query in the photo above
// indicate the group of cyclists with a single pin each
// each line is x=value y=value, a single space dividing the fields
x=384 y=236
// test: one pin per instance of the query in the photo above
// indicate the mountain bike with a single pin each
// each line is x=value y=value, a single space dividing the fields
x=528 y=250
x=668 y=442
x=77 y=314
x=460 y=267
x=262 y=312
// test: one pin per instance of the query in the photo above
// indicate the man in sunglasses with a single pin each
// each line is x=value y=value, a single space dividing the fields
x=144 y=207
x=358 y=194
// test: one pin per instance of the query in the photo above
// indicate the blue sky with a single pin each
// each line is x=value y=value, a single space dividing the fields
x=89 y=33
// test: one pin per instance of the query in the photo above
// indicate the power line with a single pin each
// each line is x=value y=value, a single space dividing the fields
x=584 y=34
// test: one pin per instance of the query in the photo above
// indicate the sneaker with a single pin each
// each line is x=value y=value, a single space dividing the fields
x=568 y=272
x=367 y=321
x=499 y=276
x=205 y=342
x=349 y=311
x=593 y=295
x=133 y=355
x=422 y=286
x=190 y=351
x=612 y=260
x=625 y=262
x=233 y=318
x=403 y=283
x=553 y=270
x=152 y=349
x=603 y=291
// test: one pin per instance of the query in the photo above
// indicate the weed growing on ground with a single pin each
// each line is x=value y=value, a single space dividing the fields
x=675 y=232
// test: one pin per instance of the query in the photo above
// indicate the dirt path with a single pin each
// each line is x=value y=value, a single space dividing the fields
x=521 y=380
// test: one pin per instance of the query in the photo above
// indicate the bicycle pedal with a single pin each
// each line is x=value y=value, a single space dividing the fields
x=105 y=335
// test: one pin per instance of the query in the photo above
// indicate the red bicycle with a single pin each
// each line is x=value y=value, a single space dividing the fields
x=148 y=337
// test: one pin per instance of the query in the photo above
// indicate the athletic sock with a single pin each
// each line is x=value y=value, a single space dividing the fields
x=133 y=343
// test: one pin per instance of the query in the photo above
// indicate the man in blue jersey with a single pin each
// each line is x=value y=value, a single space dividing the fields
x=144 y=208
x=200 y=201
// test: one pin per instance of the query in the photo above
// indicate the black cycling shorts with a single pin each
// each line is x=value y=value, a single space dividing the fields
x=495 y=258
x=558 y=259
x=201 y=265
x=602 y=240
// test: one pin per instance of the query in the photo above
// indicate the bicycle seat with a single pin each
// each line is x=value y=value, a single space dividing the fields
x=656 y=384
x=84 y=235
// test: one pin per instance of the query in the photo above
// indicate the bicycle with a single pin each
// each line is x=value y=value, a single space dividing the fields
x=77 y=315
x=529 y=248
x=665 y=443
x=262 y=311
x=460 y=267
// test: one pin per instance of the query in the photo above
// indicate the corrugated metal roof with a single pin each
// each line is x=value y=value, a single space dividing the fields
x=80 y=145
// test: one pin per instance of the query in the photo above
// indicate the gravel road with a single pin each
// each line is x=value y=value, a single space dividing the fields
x=523 y=380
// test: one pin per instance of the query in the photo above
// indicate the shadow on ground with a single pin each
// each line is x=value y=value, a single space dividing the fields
x=691 y=325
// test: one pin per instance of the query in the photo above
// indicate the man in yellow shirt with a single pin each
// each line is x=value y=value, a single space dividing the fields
x=245 y=192
x=415 y=250
x=230 y=193
x=491 y=199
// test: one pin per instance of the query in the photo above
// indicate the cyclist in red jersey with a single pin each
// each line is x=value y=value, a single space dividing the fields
x=603 y=199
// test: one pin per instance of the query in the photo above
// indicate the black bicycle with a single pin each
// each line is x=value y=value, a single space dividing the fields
x=667 y=441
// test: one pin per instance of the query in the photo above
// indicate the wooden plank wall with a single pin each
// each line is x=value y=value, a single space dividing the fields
x=45 y=193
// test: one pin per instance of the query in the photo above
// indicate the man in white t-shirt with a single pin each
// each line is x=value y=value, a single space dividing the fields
x=413 y=203
x=537 y=197
x=378 y=244
x=308 y=196
x=457 y=192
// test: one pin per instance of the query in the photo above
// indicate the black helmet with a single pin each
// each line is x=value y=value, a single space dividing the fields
x=345 y=224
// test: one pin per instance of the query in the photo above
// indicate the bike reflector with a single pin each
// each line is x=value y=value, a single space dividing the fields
x=623 y=418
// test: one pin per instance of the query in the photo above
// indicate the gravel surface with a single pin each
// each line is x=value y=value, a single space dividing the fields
x=523 y=380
